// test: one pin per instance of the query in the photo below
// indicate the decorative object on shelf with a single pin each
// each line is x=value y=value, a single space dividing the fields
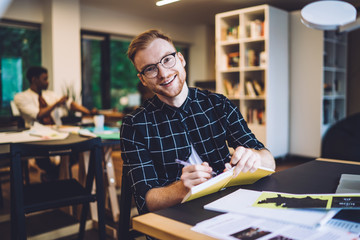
x=233 y=59
x=256 y=28
x=262 y=57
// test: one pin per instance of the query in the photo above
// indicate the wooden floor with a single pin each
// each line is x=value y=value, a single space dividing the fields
x=38 y=225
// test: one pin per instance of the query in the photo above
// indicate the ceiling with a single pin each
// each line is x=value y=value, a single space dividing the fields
x=193 y=11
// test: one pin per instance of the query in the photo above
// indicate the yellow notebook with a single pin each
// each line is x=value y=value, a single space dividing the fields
x=224 y=180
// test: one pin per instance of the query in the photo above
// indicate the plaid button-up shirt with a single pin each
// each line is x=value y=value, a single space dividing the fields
x=156 y=134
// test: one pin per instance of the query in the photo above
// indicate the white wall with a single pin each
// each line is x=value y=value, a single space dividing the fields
x=201 y=65
x=306 y=57
x=25 y=10
x=60 y=30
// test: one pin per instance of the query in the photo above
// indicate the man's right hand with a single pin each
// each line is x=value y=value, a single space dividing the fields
x=163 y=197
x=195 y=174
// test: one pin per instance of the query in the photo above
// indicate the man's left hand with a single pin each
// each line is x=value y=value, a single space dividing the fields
x=245 y=159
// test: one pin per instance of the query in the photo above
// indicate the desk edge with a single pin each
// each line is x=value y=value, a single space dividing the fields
x=165 y=228
x=338 y=161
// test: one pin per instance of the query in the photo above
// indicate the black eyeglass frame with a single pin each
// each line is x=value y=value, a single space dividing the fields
x=155 y=64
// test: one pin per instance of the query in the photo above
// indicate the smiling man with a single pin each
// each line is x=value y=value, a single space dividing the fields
x=180 y=123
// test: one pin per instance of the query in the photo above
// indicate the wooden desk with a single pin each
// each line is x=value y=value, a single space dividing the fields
x=318 y=176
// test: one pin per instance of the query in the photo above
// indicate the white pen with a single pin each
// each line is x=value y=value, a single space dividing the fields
x=187 y=164
x=331 y=213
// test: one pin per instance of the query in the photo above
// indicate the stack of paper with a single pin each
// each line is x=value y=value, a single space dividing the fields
x=242 y=201
x=349 y=183
x=237 y=226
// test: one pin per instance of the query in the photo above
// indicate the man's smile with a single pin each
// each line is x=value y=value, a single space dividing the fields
x=169 y=81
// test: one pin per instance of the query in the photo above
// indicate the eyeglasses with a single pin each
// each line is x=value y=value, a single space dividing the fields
x=152 y=70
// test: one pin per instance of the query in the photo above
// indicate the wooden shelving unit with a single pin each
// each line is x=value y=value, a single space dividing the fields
x=252 y=70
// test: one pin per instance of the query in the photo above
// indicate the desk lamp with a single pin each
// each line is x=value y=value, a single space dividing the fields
x=330 y=15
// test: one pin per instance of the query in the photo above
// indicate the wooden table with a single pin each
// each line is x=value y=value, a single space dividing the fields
x=318 y=176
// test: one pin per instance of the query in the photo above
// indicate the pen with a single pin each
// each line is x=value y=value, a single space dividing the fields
x=331 y=213
x=187 y=164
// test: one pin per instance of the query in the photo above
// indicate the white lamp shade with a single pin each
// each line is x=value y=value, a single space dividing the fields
x=328 y=15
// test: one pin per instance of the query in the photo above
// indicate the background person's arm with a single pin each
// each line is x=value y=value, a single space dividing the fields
x=46 y=111
x=77 y=107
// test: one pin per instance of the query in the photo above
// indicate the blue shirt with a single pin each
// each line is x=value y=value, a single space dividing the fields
x=156 y=134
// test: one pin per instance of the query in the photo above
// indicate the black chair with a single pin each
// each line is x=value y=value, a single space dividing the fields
x=125 y=231
x=59 y=193
x=342 y=140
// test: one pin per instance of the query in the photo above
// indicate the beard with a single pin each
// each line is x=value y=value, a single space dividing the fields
x=173 y=87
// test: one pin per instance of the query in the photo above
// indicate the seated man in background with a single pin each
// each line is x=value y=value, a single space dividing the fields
x=180 y=123
x=44 y=106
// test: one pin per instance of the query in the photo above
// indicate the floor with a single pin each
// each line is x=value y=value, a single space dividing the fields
x=45 y=222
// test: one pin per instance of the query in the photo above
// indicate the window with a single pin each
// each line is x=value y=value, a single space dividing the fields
x=20 y=48
x=109 y=79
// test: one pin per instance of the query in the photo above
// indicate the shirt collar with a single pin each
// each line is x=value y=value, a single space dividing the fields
x=185 y=107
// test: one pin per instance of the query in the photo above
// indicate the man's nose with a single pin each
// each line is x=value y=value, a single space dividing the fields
x=162 y=70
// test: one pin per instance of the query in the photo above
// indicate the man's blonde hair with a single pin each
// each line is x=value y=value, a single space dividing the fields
x=143 y=40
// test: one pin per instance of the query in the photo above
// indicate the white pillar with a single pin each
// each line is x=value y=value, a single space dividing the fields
x=61 y=51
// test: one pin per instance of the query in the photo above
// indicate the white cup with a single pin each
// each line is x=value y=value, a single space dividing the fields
x=99 y=121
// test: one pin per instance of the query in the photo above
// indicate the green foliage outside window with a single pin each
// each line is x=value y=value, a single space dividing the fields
x=91 y=60
x=20 y=48
x=123 y=74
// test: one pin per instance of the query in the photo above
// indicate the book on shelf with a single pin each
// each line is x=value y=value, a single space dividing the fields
x=250 y=89
x=224 y=180
x=232 y=89
x=228 y=87
x=255 y=28
x=262 y=59
x=251 y=58
x=255 y=116
x=257 y=87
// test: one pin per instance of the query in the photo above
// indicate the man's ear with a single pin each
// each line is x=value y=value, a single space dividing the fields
x=140 y=76
x=32 y=79
x=182 y=59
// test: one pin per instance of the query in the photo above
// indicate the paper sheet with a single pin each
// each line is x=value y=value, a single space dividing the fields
x=37 y=133
x=236 y=226
x=241 y=202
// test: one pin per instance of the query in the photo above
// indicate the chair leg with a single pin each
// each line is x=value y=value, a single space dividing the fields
x=1 y=197
x=100 y=193
x=84 y=212
x=25 y=166
x=18 y=227
x=125 y=208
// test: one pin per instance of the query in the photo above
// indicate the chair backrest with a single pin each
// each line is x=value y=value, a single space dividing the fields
x=124 y=230
x=341 y=141
x=125 y=207
x=14 y=110
x=55 y=194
